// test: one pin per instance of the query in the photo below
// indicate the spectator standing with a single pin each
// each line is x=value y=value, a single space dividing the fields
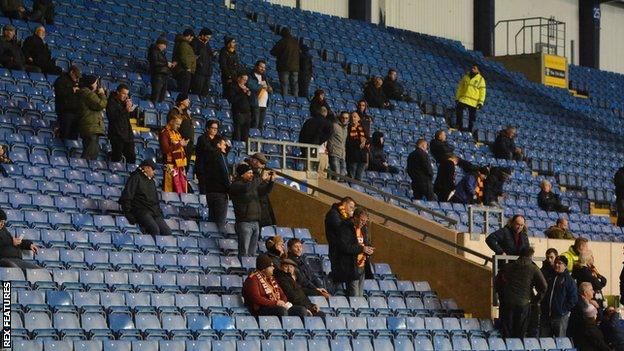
x=172 y=146
x=309 y=282
x=393 y=89
x=66 y=103
x=338 y=213
x=43 y=11
x=440 y=147
x=504 y=146
x=216 y=181
x=11 y=54
x=549 y=201
x=187 y=127
x=229 y=63
x=471 y=188
x=258 y=162
x=584 y=323
x=275 y=249
x=356 y=148
x=580 y=246
x=140 y=203
x=444 y=186
x=260 y=90
x=186 y=61
x=38 y=53
x=318 y=101
x=365 y=118
x=522 y=276
x=559 y=300
x=288 y=280
x=245 y=192
x=14 y=9
x=316 y=129
x=374 y=94
x=118 y=110
x=336 y=145
x=618 y=181
x=240 y=100
x=378 y=160
x=493 y=192
x=286 y=50
x=160 y=69
x=548 y=265
x=420 y=171
x=559 y=230
x=352 y=251
x=202 y=149
x=11 y=247
x=585 y=271
x=201 y=81
x=4 y=160
x=306 y=70
x=470 y=95
x=510 y=239
x=91 y=103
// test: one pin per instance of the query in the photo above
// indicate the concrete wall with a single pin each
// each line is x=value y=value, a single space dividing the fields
x=611 y=38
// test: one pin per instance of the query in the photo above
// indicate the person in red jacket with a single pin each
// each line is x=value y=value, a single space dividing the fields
x=263 y=295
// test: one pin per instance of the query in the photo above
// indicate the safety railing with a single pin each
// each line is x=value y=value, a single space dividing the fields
x=306 y=154
x=486 y=212
x=541 y=34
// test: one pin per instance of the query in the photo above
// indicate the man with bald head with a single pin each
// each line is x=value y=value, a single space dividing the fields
x=38 y=53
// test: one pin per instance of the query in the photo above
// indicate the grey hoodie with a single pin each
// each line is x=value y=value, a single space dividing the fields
x=337 y=140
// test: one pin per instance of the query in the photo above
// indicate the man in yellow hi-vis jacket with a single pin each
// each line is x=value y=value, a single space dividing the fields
x=471 y=95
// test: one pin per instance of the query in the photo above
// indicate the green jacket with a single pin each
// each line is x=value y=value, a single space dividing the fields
x=555 y=232
x=573 y=256
x=184 y=55
x=90 y=109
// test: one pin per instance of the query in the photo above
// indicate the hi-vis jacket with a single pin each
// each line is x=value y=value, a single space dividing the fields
x=471 y=91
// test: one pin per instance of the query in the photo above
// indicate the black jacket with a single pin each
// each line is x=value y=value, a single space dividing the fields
x=613 y=332
x=445 y=180
x=618 y=181
x=377 y=159
x=419 y=167
x=119 y=127
x=7 y=250
x=204 y=57
x=333 y=221
x=157 y=60
x=202 y=148
x=315 y=109
x=306 y=66
x=521 y=277
x=353 y=152
x=547 y=270
x=502 y=242
x=239 y=100
x=66 y=100
x=344 y=265
x=504 y=147
x=245 y=197
x=216 y=175
x=266 y=211
x=375 y=97
x=440 y=150
x=493 y=187
x=11 y=54
x=294 y=292
x=315 y=130
x=584 y=274
x=392 y=89
x=229 y=64
x=35 y=48
x=140 y=196
x=286 y=50
x=548 y=201
x=305 y=276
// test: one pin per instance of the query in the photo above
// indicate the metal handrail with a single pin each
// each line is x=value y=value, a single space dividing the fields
x=472 y=209
x=311 y=150
x=387 y=197
x=543 y=22
x=387 y=218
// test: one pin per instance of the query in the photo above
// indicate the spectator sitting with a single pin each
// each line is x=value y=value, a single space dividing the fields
x=66 y=103
x=43 y=11
x=240 y=100
x=11 y=54
x=91 y=103
x=440 y=148
x=504 y=146
x=4 y=159
x=202 y=149
x=140 y=203
x=275 y=249
x=585 y=271
x=374 y=94
x=309 y=282
x=611 y=327
x=574 y=252
x=245 y=192
x=286 y=50
x=159 y=69
x=366 y=119
x=289 y=282
x=352 y=252
x=393 y=89
x=444 y=186
x=584 y=322
x=510 y=239
x=263 y=295
x=216 y=181
x=377 y=159
x=11 y=247
x=306 y=70
x=559 y=230
x=338 y=213
x=336 y=145
x=470 y=189
x=229 y=63
x=548 y=265
x=494 y=183
x=174 y=157
x=549 y=201
x=38 y=54
x=318 y=101
x=14 y=9
x=118 y=110
x=201 y=84
x=562 y=297
x=356 y=148
x=186 y=60
x=420 y=171
x=258 y=162
x=187 y=127
x=260 y=90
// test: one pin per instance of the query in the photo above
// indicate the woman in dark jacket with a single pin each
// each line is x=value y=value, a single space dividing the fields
x=585 y=271
x=378 y=161
x=445 y=179
x=356 y=148
x=319 y=101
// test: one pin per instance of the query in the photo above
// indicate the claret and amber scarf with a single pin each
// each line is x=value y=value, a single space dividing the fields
x=270 y=286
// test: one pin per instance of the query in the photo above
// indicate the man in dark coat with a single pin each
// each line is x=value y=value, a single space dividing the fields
x=159 y=69
x=230 y=65
x=37 y=52
x=186 y=60
x=258 y=163
x=365 y=118
x=310 y=283
x=420 y=171
x=240 y=99
x=548 y=200
x=203 y=72
x=286 y=50
x=140 y=203
x=559 y=300
x=120 y=134
x=618 y=181
x=374 y=94
x=289 y=282
x=445 y=179
x=11 y=54
x=504 y=146
x=14 y=9
x=339 y=212
x=510 y=239
x=43 y=11
x=11 y=247
x=440 y=148
x=66 y=103
x=494 y=183
x=202 y=149
x=352 y=249
x=306 y=70
x=216 y=179
x=393 y=89
x=316 y=129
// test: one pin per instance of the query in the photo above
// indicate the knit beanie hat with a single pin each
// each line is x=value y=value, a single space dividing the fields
x=562 y=259
x=242 y=169
x=263 y=261
x=88 y=80
x=273 y=241
x=227 y=40
x=3 y=215
x=181 y=97
x=187 y=32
